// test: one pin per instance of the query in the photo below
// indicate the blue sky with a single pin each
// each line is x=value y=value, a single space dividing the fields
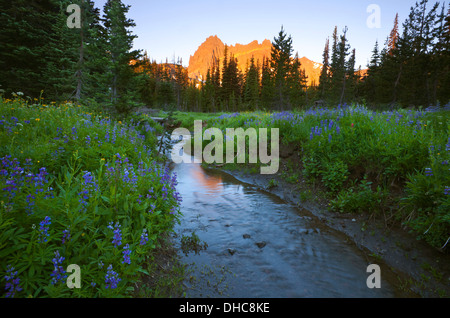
x=176 y=28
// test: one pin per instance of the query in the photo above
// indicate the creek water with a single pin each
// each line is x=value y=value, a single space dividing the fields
x=259 y=246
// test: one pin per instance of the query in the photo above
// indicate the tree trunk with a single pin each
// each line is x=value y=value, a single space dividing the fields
x=343 y=89
x=396 y=83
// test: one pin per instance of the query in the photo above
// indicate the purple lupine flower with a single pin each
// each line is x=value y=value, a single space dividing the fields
x=144 y=237
x=12 y=187
x=89 y=186
x=111 y=278
x=43 y=229
x=83 y=200
x=177 y=197
x=66 y=236
x=88 y=140
x=74 y=133
x=164 y=191
x=39 y=179
x=113 y=139
x=126 y=254
x=173 y=181
x=330 y=125
x=12 y=282
x=447 y=191
x=59 y=132
x=126 y=176
x=117 y=239
x=29 y=208
x=58 y=274
x=50 y=193
x=428 y=172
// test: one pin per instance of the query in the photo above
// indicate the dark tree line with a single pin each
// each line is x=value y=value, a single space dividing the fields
x=40 y=54
x=413 y=68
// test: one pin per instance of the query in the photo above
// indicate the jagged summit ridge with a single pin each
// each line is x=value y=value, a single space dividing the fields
x=213 y=47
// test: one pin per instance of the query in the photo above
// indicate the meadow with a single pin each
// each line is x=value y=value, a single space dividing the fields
x=78 y=187
x=390 y=164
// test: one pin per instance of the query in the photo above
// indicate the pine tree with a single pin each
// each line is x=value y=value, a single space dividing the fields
x=120 y=43
x=325 y=75
x=92 y=54
x=208 y=93
x=441 y=54
x=281 y=64
x=297 y=83
x=267 y=85
x=351 y=78
x=371 y=82
x=96 y=58
x=37 y=53
x=393 y=36
x=251 y=88
x=62 y=57
x=225 y=83
x=339 y=67
x=216 y=80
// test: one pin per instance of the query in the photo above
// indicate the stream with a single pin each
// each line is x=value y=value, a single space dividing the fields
x=259 y=246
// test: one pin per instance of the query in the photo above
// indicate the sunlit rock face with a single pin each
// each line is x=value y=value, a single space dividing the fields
x=213 y=47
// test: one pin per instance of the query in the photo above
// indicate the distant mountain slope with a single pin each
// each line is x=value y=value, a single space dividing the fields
x=214 y=47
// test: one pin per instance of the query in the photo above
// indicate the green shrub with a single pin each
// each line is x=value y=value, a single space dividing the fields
x=359 y=199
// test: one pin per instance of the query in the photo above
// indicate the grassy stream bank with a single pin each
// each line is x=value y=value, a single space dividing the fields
x=380 y=177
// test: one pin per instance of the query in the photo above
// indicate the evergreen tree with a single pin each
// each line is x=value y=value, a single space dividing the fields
x=207 y=93
x=60 y=76
x=225 y=90
x=251 y=88
x=325 y=75
x=37 y=52
x=371 y=83
x=267 y=85
x=93 y=58
x=441 y=58
x=393 y=37
x=339 y=67
x=281 y=64
x=119 y=45
x=351 y=79
x=297 y=83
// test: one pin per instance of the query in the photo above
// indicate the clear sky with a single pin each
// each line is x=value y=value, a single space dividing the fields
x=176 y=28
